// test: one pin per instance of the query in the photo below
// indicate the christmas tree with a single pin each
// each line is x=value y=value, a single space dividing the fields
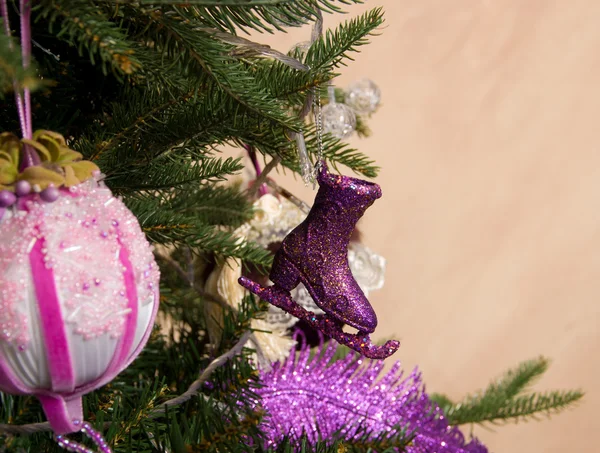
x=139 y=98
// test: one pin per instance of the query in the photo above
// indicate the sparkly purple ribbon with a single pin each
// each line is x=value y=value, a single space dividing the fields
x=76 y=447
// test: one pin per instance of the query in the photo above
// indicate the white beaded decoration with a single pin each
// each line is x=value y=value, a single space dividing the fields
x=86 y=236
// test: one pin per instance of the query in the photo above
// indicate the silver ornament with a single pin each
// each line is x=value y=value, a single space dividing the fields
x=363 y=96
x=339 y=120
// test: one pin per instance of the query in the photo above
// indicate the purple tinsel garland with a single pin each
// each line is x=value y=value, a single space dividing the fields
x=349 y=397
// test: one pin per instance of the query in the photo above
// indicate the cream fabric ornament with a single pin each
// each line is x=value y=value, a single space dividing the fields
x=270 y=222
x=222 y=285
x=272 y=343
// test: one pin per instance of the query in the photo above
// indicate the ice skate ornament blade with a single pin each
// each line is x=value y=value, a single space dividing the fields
x=331 y=327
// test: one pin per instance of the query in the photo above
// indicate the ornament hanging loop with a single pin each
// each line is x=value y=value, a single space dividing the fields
x=23 y=100
x=309 y=170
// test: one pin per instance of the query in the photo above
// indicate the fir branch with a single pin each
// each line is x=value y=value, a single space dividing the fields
x=497 y=409
x=136 y=119
x=86 y=26
x=204 y=376
x=230 y=434
x=334 y=151
x=214 y=205
x=224 y=244
x=150 y=125
x=169 y=171
x=520 y=378
x=503 y=399
x=12 y=74
x=164 y=225
x=259 y=15
x=177 y=33
x=335 y=47
x=287 y=84
x=324 y=56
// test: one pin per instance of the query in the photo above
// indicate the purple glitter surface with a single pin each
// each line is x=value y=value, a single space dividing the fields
x=316 y=251
x=332 y=328
x=315 y=254
x=349 y=397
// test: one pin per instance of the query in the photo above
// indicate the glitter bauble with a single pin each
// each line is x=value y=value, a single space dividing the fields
x=363 y=96
x=339 y=120
x=78 y=297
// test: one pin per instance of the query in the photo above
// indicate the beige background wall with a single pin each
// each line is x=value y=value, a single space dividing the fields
x=488 y=139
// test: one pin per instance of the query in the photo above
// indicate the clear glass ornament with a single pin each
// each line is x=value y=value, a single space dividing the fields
x=363 y=96
x=339 y=120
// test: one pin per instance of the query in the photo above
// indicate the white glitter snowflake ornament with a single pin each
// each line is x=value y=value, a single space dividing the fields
x=78 y=297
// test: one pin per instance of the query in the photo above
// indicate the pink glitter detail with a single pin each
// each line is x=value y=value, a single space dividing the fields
x=83 y=232
x=13 y=293
x=13 y=325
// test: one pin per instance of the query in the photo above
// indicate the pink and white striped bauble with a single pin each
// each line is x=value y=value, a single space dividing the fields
x=78 y=297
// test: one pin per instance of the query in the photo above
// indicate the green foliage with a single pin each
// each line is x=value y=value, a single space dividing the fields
x=260 y=15
x=151 y=90
x=178 y=33
x=333 y=50
x=87 y=27
x=507 y=398
x=163 y=223
x=12 y=73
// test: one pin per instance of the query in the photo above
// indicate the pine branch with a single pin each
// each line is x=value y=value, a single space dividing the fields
x=322 y=59
x=259 y=15
x=497 y=409
x=216 y=205
x=170 y=171
x=335 y=47
x=334 y=151
x=204 y=376
x=503 y=399
x=86 y=26
x=12 y=74
x=177 y=32
x=164 y=225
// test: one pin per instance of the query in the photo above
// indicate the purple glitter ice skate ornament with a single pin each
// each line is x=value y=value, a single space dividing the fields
x=315 y=253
